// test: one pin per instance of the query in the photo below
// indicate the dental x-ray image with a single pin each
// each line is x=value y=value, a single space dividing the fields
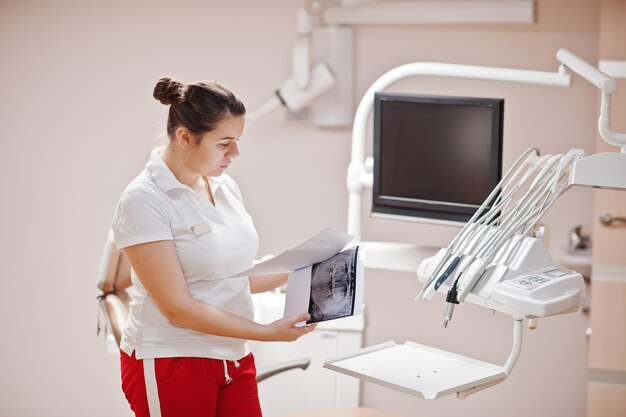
x=333 y=284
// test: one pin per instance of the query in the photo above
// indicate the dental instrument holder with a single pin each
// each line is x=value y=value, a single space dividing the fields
x=528 y=287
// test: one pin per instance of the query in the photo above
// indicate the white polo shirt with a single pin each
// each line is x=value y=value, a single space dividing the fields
x=212 y=242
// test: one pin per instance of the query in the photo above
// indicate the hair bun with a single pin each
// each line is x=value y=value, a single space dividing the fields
x=168 y=91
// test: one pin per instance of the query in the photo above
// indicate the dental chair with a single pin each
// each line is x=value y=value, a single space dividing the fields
x=113 y=281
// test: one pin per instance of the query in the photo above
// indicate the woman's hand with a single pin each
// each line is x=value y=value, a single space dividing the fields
x=284 y=330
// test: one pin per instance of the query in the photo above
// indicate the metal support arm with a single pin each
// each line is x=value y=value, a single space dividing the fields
x=518 y=329
x=357 y=177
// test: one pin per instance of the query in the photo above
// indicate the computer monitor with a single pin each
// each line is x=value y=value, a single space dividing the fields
x=436 y=158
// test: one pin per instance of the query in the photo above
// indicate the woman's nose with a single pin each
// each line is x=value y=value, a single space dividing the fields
x=233 y=149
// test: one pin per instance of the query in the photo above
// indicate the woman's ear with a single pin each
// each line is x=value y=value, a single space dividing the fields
x=183 y=138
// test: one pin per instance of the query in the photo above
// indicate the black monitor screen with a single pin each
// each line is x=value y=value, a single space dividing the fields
x=435 y=157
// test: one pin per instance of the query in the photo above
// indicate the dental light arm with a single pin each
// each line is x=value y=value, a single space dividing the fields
x=294 y=97
x=608 y=169
x=587 y=71
x=605 y=83
x=306 y=83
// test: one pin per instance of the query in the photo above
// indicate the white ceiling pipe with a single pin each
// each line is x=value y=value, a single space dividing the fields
x=430 y=12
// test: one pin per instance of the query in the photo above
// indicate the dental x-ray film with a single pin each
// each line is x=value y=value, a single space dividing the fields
x=327 y=290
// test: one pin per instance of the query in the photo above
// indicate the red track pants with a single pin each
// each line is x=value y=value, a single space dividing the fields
x=190 y=387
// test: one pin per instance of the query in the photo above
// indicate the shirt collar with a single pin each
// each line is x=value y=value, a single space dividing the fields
x=165 y=179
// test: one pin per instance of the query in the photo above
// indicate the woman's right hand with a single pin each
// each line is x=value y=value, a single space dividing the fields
x=284 y=330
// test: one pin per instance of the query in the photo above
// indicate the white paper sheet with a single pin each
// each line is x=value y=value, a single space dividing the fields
x=322 y=246
x=298 y=293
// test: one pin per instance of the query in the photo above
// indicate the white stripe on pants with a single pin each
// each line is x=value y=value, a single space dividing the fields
x=152 y=391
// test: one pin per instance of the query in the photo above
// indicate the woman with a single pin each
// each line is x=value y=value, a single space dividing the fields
x=183 y=226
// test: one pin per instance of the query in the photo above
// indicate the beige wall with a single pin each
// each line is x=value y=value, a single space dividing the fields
x=78 y=121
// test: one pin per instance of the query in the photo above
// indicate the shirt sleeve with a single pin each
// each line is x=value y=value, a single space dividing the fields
x=140 y=217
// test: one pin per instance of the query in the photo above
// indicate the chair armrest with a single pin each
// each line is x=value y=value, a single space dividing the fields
x=116 y=312
x=282 y=367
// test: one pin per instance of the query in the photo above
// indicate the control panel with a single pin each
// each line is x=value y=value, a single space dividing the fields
x=542 y=293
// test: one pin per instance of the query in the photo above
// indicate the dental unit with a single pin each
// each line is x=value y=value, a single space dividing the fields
x=495 y=261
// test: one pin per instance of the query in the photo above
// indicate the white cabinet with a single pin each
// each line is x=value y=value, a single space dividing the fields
x=316 y=387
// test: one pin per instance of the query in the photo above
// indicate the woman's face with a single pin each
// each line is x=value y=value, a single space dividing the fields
x=216 y=149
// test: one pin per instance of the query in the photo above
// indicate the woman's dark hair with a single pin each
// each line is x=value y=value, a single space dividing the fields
x=198 y=107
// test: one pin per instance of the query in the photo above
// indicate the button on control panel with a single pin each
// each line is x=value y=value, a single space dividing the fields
x=529 y=282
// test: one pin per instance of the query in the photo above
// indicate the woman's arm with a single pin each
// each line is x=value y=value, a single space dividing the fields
x=262 y=283
x=157 y=267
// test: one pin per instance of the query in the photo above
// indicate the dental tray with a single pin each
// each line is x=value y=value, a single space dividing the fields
x=418 y=369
